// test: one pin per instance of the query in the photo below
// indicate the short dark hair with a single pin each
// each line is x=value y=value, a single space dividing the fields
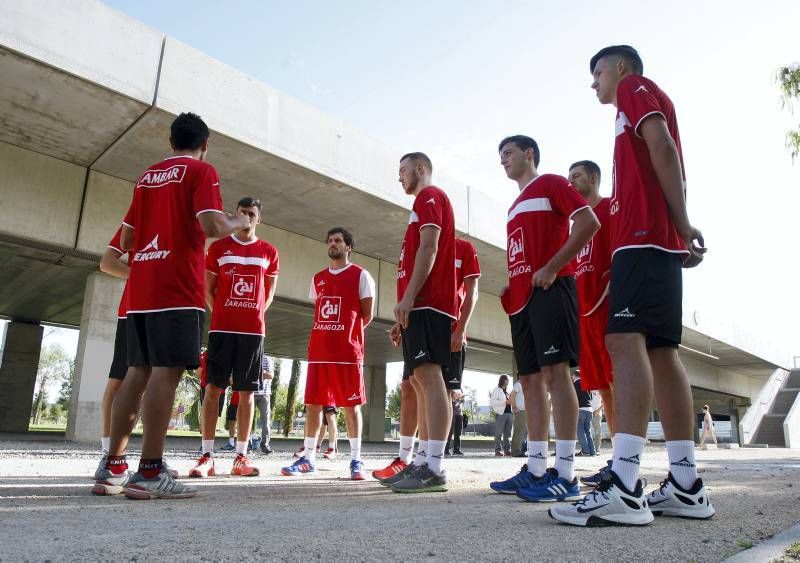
x=248 y=201
x=591 y=167
x=622 y=51
x=188 y=132
x=503 y=377
x=346 y=235
x=523 y=143
x=419 y=157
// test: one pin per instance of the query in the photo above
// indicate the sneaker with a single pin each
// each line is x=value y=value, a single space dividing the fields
x=551 y=488
x=397 y=477
x=507 y=453
x=108 y=483
x=242 y=467
x=299 y=467
x=421 y=480
x=265 y=449
x=610 y=504
x=511 y=485
x=670 y=499
x=101 y=466
x=163 y=486
x=204 y=467
x=447 y=454
x=594 y=480
x=357 y=472
x=330 y=453
x=228 y=447
x=393 y=468
x=458 y=453
x=173 y=472
x=299 y=453
x=498 y=453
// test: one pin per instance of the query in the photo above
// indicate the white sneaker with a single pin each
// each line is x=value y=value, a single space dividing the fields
x=670 y=499
x=610 y=504
x=203 y=468
x=108 y=483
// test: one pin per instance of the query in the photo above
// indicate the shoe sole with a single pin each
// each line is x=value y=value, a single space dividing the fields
x=104 y=489
x=686 y=514
x=253 y=473
x=142 y=494
x=598 y=522
x=503 y=492
x=194 y=474
x=295 y=474
x=358 y=477
x=433 y=489
x=560 y=498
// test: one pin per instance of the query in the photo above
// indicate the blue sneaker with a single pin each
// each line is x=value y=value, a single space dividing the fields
x=551 y=488
x=227 y=447
x=595 y=480
x=357 y=472
x=510 y=486
x=300 y=467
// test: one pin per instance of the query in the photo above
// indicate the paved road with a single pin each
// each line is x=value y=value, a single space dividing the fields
x=46 y=512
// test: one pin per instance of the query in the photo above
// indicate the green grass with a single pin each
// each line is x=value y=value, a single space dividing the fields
x=793 y=552
x=47 y=427
x=746 y=544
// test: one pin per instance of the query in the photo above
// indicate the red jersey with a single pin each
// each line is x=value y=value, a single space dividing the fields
x=337 y=335
x=168 y=243
x=467 y=266
x=537 y=228
x=244 y=270
x=117 y=246
x=431 y=207
x=593 y=264
x=639 y=214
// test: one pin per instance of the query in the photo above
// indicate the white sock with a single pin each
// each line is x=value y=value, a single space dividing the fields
x=355 y=448
x=435 y=455
x=310 y=453
x=537 y=457
x=406 y=448
x=105 y=443
x=232 y=441
x=241 y=447
x=681 y=462
x=565 y=459
x=422 y=453
x=628 y=450
x=208 y=446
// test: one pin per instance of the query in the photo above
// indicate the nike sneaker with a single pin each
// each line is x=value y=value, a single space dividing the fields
x=421 y=480
x=670 y=499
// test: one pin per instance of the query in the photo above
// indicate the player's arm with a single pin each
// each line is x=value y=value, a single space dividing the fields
x=211 y=289
x=111 y=263
x=217 y=224
x=272 y=284
x=667 y=166
x=366 y=311
x=471 y=297
x=423 y=264
x=584 y=226
x=126 y=237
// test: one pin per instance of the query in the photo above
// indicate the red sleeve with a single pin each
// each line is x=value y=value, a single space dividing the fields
x=564 y=198
x=469 y=263
x=429 y=207
x=206 y=195
x=273 y=267
x=211 y=258
x=131 y=215
x=636 y=98
x=115 y=243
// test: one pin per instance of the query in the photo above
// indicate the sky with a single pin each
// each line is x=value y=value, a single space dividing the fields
x=451 y=78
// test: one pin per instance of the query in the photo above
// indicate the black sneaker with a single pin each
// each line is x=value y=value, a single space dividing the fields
x=265 y=449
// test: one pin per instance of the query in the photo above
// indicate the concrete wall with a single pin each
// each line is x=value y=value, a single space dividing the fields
x=374 y=412
x=18 y=375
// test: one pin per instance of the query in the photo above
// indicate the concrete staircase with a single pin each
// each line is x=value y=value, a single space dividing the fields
x=770 y=431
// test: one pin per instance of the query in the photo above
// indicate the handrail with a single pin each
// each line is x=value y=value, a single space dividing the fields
x=748 y=426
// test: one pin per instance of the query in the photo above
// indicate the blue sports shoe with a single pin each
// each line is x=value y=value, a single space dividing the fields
x=597 y=478
x=300 y=467
x=357 y=472
x=227 y=447
x=551 y=488
x=510 y=486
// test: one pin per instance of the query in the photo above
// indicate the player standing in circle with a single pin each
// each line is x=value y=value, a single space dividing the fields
x=343 y=295
x=426 y=308
x=241 y=276
x=592 y=276
x=651 y=240
x=176 y=204
x=541 y=302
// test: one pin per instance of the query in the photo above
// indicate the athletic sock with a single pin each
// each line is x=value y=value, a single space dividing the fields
x=406 y=448
x=105 y=443
x=628 y=450
x=422 y=453
x=435 y=455
x=537 y=457
x=355 y=448
x=565 y=459
x=231 y=441
x=241 y=447
x=117 y=464
x=681 y=462
x=310 y=453
x=208 y=446
x=150 y=468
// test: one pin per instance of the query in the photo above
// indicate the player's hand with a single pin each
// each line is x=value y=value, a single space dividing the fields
x=402 y=311
x=697 y=247
x=543 y=278
x=457 y=340
x=395 y=335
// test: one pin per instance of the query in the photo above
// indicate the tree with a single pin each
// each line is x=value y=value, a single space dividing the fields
x=276 y=382
x=788 y=78
x=291 y=398
x=393 y=402
x=55 y=367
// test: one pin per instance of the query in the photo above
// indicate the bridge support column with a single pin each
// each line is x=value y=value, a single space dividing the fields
x=374 y=412
x=20 y=365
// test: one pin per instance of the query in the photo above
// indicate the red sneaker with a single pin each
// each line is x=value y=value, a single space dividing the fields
x=242 y=467
x=204 y=467
x=330 y=453
x=393 y=468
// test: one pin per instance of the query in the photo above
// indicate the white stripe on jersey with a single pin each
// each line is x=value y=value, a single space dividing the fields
x=413 y=218
x=244 y=260
x=528 y=205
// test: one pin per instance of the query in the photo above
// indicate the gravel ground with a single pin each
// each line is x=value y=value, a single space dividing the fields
x=47 y=512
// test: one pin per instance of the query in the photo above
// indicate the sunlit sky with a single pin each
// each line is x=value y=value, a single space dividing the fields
x=452 y=78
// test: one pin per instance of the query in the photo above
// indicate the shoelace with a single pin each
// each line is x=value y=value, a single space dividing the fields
x=601 y=490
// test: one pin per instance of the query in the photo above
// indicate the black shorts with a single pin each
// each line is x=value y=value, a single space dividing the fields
x=545 y=332
x=426 y=340
x=326 y=410
x=646 y=295
x=234 y=356
x=165 y=338
x=221 y=400
x=119 y=364
x=230 y=414
x=455 y=370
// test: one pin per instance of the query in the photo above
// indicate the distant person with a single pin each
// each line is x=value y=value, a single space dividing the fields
x=584 y=418
x=519 y=438
x=261 y=398
x=457 y=425
x=500 y=401
x=708 y=428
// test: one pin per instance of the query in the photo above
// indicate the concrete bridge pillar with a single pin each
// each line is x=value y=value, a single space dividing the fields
x=20 y=364
x=374 y=411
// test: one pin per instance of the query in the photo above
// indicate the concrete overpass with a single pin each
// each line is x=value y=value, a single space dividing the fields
x=86 y=100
